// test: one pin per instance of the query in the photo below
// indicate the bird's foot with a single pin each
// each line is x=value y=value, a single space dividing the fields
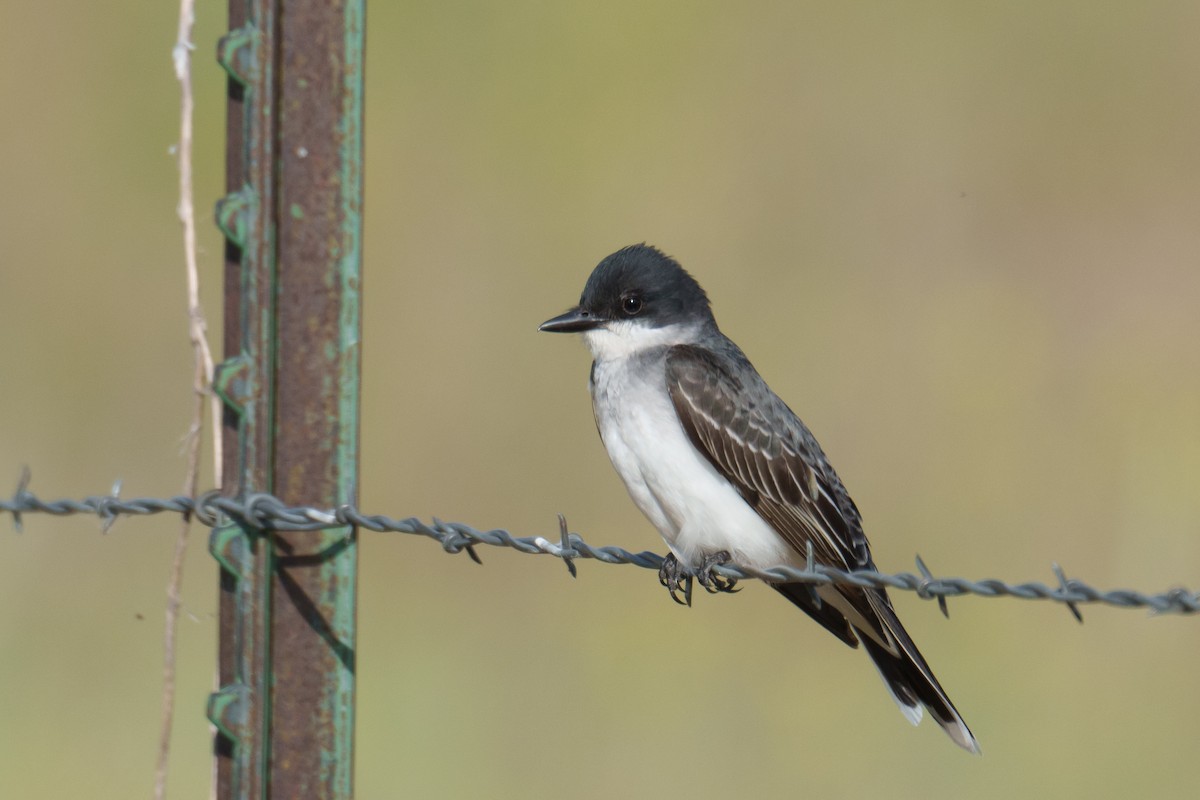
x=677 y=578
x=713 y=581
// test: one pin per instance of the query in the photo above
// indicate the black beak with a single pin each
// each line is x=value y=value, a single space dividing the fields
x=574 y=321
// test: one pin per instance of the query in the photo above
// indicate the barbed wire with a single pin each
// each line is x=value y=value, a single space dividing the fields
x=266 y=512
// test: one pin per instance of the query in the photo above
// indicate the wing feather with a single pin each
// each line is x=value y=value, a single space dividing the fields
x=752 y=438
x=757 y=442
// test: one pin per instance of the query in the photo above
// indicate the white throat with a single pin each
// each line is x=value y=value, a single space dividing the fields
x=622 y=338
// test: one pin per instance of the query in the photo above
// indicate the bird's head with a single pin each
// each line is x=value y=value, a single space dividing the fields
x=635 y=299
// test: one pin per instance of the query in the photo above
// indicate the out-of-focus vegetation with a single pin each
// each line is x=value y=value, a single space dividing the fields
x=959 y=239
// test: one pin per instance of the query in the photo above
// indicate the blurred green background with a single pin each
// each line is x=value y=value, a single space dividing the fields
x=959 y=239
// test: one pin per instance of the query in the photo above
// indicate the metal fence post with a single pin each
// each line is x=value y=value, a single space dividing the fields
x=290 y=381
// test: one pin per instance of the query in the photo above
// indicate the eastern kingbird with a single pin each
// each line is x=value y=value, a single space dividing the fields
x=724 y=469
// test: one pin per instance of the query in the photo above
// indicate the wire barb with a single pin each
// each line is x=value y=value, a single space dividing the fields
x=567 y=553
x=108 y=517
x=19 y=494
x=810 y=565
x=929 y=580
x=1066 y=588
x=267 y=512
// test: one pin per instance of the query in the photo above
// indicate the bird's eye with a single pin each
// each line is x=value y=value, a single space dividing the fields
x=631 y=304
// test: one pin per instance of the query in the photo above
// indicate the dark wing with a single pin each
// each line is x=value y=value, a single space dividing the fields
x=758 y=443
x=752 y=438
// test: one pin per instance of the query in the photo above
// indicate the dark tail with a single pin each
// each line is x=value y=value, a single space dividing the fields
x=912 y=683
x=905 y=672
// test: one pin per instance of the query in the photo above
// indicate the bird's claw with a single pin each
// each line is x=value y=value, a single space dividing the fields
x=713 y=581
x=678 y=578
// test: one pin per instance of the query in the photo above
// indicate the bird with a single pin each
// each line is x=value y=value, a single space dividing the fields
x=725 y=470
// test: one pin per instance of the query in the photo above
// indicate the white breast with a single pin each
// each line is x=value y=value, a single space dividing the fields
x=697 y=511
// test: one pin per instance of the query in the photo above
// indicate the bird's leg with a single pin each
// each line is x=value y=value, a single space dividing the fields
x=677 y=578
x=712 y=581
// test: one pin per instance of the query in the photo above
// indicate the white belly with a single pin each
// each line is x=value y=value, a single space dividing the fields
x=697 y=511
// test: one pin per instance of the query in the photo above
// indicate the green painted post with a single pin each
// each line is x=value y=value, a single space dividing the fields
x=290 y=381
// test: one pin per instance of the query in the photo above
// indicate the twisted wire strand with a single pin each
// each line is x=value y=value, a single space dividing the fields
x=266 y=512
